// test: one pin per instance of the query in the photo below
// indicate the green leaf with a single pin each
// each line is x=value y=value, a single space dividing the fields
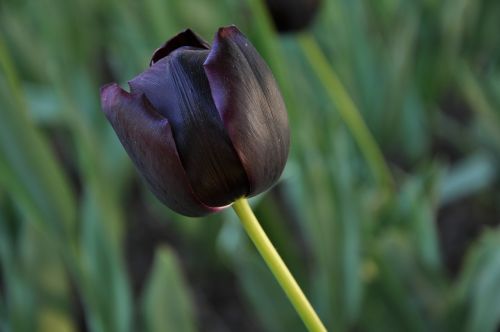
x=19 y=308
x=166 y=304
x=54 y=321
x=471 y=175
x=28 y=167
x=479 y=284
x=264 y=293
x=102 y=277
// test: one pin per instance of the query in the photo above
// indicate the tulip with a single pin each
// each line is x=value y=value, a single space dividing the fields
x=207 y=127
x=203 y=125
x=292 y=15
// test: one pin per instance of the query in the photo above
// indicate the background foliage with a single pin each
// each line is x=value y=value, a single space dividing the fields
x=386 y=212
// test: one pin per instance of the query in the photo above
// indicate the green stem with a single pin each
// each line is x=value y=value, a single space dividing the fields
x=277 y=266
x=347 y=109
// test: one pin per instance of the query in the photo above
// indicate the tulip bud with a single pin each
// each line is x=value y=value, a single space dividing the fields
x=292 y=15
x=203 y=125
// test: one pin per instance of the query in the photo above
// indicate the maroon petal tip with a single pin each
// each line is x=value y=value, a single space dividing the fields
x=112 y=95
x=184 y=38
x=108 y=89
x=228 y=31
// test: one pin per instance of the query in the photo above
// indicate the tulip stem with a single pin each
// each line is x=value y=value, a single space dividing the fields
x=277 y=266
x=347 y=109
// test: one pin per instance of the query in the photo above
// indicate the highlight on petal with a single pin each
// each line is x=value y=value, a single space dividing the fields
x=251 y=107
x=184 y=38
x=147 y=138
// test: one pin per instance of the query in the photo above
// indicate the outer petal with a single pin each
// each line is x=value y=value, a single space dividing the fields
x=178 y=88
x=147 y=138
x=184 y=38
x=251 y=106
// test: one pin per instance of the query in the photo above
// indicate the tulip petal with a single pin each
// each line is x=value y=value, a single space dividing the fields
x=148 y=139
x=178 y=88
x=250 y=104
x=184 y=38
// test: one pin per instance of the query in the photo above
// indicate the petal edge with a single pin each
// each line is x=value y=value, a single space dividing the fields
x=147 y=137
x=184 y=38
x=250 y=104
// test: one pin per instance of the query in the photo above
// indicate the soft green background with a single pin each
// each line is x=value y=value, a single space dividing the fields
x=385 y=212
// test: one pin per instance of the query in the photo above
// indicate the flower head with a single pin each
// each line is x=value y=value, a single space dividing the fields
x=203 y=125
x=292 y=15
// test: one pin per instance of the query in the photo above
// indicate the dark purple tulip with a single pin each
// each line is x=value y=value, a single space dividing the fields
x=292 y=15
x=204 y=125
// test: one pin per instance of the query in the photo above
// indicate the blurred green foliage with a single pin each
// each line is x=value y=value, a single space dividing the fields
x=386 y=212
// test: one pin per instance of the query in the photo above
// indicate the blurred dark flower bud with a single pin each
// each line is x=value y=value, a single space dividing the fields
x=292 y=15
x=203 y=125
